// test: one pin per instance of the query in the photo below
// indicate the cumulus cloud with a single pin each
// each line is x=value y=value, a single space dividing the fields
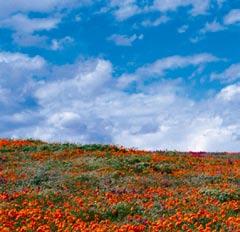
x=230 y=93
x=22 y=23
x=88 y=80
x=24 y=29
x=17 y=72
x=82 y=103
x=21 y=61
x=124 y=9
x=124 y=40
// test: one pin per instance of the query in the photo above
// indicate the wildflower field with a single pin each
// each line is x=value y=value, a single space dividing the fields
x=69 y=187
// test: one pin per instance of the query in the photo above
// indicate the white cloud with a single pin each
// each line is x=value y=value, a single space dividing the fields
x=82 y=103
x=89 y=79
x=230 y=93
x=161 y=20
x=16 y=80
x=124 y=9
x=183 y=29
x=23 y=24
x=221 y=2
x=21 y=61
x=232 y=17
x=14 y=15
x=212 y=27
x=58 y=44
x=25 y=29
x=29 y=40
x=198 y=6
x=124 y=40
x=174 y=62
x=24 y=6
x=169 y=63
x=229 y=75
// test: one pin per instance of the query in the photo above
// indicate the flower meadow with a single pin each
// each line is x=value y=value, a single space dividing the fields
x=70 y=187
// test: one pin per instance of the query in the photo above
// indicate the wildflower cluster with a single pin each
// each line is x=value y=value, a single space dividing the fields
x=69 y=187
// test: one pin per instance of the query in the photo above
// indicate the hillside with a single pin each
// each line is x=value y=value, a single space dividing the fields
x=69 y=187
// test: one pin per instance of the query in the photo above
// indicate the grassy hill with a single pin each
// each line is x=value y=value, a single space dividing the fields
x=69 y=187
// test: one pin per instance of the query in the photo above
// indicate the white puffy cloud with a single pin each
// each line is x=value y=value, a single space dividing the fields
x=81 y=102
x=23 y=24
x=230 y=93
x=232 y=17
x=157 y=120
x=198 y=134
x=124 y=9
x=124 y=40
x=25 y=29
x=14 y=15
x=16 y=72
x=21 y=61
x=88 y=80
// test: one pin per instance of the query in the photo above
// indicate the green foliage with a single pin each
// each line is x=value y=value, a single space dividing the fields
x=221 y=195
x=199 y=180
x=117 y=212
x=136 y=163
x=40 y=176
x=90 y=180
x=140 y=167
x=163 y=168
x=94 y=147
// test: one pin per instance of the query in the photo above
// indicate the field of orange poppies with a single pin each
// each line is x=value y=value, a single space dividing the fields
x=69 y=187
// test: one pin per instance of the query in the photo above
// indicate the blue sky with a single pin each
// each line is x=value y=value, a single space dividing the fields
x=149 y=74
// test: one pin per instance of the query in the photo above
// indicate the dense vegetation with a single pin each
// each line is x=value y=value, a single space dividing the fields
x=68 y=187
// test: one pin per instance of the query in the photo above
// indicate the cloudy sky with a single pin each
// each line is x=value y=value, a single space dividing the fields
x=151 y=74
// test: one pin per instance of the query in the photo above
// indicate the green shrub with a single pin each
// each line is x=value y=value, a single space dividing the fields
x=118 y=212
x=163 y=168
x=140 y=167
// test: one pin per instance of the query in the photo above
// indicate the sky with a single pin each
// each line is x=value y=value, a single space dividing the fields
x=147 y=74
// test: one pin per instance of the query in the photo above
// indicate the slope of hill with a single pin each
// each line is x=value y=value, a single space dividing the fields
x=68 y=187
